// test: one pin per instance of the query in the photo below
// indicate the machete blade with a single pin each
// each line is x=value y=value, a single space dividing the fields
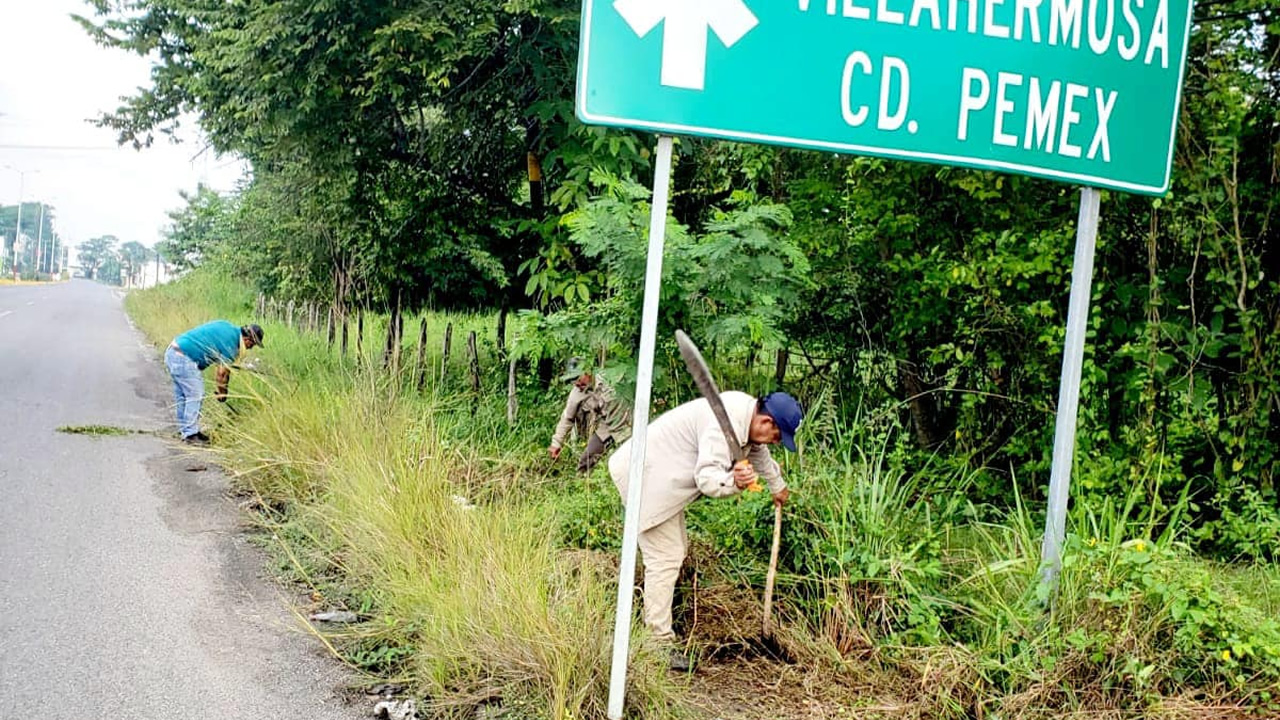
x=707 y=386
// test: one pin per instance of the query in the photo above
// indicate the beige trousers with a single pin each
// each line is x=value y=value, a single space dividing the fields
x=662 y=547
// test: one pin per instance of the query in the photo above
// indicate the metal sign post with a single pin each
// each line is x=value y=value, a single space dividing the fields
x=1064 y=434
x=640 y=425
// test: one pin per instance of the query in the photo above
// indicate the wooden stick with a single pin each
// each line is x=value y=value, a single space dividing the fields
x=773 y=570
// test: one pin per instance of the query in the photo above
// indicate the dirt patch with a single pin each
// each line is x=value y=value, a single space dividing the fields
x=749 y=689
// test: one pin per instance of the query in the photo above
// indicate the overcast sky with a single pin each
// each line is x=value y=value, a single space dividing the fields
x=52 y=79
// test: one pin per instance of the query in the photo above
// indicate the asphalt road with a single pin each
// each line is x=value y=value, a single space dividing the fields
x=127 y=586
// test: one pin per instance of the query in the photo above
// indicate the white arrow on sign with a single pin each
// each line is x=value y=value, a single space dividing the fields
x=684 y=32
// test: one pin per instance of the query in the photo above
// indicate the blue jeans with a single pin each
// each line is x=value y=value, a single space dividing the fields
x=188 y=390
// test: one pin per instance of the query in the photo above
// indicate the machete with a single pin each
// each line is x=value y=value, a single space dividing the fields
x=707 y=386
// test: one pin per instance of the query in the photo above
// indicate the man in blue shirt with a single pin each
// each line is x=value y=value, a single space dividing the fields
x=214 y=343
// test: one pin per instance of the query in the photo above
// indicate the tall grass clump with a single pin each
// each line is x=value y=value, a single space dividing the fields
x=896 y=580
x=493 y=609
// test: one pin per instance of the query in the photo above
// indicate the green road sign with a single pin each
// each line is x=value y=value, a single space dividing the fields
x=1085 y=91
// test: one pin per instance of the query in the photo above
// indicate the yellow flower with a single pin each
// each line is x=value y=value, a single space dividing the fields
x=1140 y=546
x=1093 y=542
x=1226 y=654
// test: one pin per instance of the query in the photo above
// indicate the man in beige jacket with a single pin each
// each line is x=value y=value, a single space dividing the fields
x=686 y=457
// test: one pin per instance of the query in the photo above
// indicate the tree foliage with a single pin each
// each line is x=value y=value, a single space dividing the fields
x=426 y=154
x=97 y=258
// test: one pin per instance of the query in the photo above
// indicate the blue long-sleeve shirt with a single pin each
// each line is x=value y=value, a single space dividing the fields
x=216 y=342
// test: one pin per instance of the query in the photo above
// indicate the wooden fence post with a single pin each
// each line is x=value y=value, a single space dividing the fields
x=780 y=369
x=502 y=332
x=345 y=333
x=511 y=392
x=359 y=336
x=391 y=350
x=444 y=355
x=421 y=370
x=475 y=362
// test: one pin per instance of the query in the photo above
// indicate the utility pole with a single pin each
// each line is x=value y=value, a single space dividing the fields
x=17 y=228
x=39 y=240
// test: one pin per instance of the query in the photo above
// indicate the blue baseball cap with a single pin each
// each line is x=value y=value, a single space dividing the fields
x=787 y=415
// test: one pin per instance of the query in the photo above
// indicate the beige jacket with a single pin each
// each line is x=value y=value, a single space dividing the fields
x=686 y=456
x=598 y=403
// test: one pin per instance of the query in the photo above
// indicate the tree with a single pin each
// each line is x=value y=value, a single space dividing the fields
x=111 y=272
x=419 y=116
x=197 y=227
x=95 y=253
x=133 y=257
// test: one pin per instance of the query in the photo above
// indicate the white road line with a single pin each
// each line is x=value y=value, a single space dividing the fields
x=6 y=312
x=33 y=302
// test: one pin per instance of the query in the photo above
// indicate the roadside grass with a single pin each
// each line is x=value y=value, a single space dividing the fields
x=473 y=604
x=488 y=572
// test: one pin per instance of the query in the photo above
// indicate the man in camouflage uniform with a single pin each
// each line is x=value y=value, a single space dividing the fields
x=591 y=400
